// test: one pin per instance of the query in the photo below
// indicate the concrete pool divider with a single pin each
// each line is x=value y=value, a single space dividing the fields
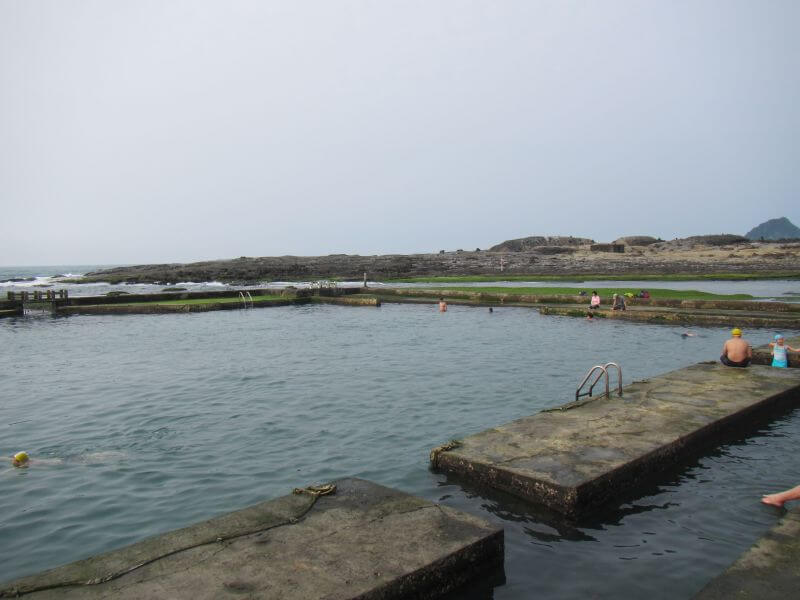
x=583 y=455
x=10 y=308
x=769 y=570
x=361 y=541
x=172 y=302
x=651 y=310
x=399 y=294
x=680 y=316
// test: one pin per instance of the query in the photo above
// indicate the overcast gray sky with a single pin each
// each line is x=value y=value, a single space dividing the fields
x=167 y=130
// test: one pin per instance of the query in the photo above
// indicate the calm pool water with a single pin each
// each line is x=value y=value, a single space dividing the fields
x=155 y=422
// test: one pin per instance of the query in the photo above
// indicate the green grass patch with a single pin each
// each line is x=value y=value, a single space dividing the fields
x=223 y=300
x=604 y=292
x=591 y=277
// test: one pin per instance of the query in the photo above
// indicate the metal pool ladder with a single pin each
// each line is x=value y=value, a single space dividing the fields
x=244 y=300
x=602 y=370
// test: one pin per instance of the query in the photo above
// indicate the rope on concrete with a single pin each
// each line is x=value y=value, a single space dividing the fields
x=451 y=445
x=314 y=491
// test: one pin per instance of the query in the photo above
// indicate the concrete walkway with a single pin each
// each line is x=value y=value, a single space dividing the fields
x=769 y=570
x=364 y=541
x=586 y=454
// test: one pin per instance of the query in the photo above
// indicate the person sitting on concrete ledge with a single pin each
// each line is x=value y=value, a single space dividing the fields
x=781 y=497
x=736 y=352
x=779 y=350
x=595 y=301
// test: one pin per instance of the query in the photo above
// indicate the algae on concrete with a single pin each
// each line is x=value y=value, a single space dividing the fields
x=363 y=541
x=589 y=454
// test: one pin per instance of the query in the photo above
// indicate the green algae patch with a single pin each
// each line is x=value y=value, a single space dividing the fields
x=194 y=301
x=579 y=278
x=604 y=292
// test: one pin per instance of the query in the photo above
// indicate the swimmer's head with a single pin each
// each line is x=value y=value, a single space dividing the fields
x=20 y=459
x=736 y=332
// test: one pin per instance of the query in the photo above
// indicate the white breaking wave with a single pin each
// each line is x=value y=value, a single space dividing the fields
x=214 y=283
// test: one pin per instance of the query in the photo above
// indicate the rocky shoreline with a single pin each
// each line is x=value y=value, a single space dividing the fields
x=691 y=256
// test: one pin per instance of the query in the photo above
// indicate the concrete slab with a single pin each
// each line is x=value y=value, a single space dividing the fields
x=364 y=541
x=769 y=570
x=582 y=455
x=678 y=316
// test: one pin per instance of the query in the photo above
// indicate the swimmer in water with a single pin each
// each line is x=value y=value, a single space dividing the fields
x=442 y=304
x=20 y=459
x=781 y=497
x=686 y=334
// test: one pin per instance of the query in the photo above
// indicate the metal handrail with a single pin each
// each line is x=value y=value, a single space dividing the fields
x=602 y=372
x=619 y=377
x=251 y=305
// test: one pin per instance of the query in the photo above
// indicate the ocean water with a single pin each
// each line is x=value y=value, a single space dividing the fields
x=145 y=423
x=45 y=277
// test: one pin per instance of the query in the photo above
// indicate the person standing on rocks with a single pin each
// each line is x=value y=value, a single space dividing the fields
x=736 y=352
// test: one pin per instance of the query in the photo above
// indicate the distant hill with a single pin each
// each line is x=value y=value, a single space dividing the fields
x=535 y=242
x=637 y=240
x=774 y=229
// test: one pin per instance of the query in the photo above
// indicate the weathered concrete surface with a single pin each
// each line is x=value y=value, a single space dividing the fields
x=763 y=356
x=351 y=300
x=365 y=541
x=676 y=316
x=721 y=306
x=770 y=569
x=586 y=454
x=142 y=308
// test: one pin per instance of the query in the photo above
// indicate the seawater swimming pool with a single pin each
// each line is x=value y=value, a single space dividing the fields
x=160 y=421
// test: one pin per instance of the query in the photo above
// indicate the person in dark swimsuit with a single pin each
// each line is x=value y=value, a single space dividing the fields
x=736 y=352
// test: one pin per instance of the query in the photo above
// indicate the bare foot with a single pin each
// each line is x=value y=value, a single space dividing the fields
x=773 y=499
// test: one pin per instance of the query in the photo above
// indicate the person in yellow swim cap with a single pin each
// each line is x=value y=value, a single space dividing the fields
x=736 y=352
x=20 y=459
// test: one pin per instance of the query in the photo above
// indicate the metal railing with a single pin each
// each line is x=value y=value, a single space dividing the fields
x=244 y=299
x=602 y=372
